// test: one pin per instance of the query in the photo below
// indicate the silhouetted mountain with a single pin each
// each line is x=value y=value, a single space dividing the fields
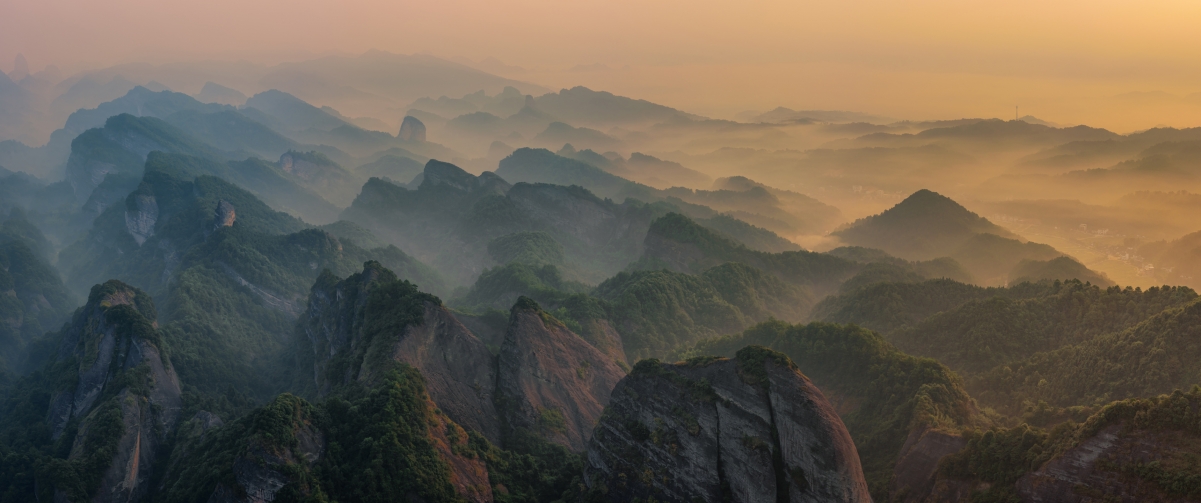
x=558 y=133
x=34 y=298
x=288 y=113
x=640 y=168
x=452 y=216
x=411 y=129
x=580 y=105
x=923 y=226
x=217 y=93
x=991 y=134
x=1060 y=268
x=232 y=132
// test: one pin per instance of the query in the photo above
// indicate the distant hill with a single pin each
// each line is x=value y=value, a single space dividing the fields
x=580 y=105
x=1060 y=268
x=559 y=133
x=989 y=135
x=107 y=162
x=367 y=83
x=290 y=113
x=217 y=93
x=139 y=102
x=1177 y=261
x=923 y=226
x=781 y=114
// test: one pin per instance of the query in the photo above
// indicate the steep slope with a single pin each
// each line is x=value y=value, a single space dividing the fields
x=355 y=329
x=451 y=217
x=291 y=450
x=550 y=382
x=33 y=299
x=121 y=147
x=902 y=412
x=991 y=331
x=656 y=311
x=547 y=382
x=541 y=165
x=676 y=242
x=101 y=410
x=289 y=113
x=1156 y=355
x=139 y=102
x=750 y=429
x=889 y=306
x=230 y=131
x=1131 y=450
x=321 y=175
x=106 y=163
x=233 y=273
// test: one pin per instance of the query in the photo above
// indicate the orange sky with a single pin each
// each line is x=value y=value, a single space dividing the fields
x=1062 y=61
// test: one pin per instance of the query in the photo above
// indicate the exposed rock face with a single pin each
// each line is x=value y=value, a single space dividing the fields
x=443 y=173
x=459 y=371
x=140 y=219
x=1088 y=472
x=469 y=476
x=751 y=429
x=551 y=381
x=261 y=471
x=114 y=337
x=224 y=215
x=322 y=175
x=917 y=466
x=411 y=129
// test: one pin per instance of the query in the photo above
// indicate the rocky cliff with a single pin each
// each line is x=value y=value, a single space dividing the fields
x=752 y=428
x=125 y=393
x=411 y=129
x=357 y=328
x=550 y=381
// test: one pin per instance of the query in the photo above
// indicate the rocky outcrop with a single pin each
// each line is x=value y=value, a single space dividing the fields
x=711 y=429
x=549 y=380
x=458 y=368
x=262 y=469
x=115 y=341
x=914 y=478
x=224 y=215
x=141 y=215
x=411 y=129
x=1092 y=469
x=321 y=174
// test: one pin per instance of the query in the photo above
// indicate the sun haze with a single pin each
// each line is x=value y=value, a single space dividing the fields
x=1121 y=65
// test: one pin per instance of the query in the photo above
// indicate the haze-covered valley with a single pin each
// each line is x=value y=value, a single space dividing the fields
x=379 y=276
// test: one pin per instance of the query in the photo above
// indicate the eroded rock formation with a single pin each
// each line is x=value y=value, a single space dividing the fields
x=749 y=429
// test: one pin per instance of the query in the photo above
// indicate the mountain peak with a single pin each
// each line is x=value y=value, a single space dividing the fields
x=923 y=226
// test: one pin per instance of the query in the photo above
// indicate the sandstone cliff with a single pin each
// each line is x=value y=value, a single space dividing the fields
x=125 y=392
x=357 y=328
x=411 y=129
x=550 y=381
x=711 y=429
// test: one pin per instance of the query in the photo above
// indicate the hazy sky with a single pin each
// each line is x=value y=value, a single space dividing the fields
x=1064 y=61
